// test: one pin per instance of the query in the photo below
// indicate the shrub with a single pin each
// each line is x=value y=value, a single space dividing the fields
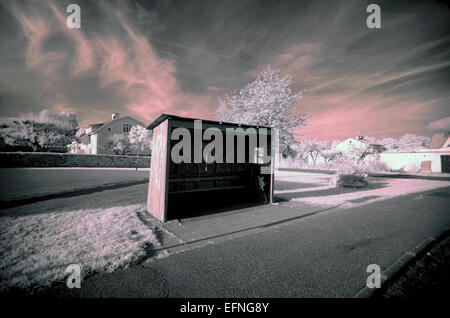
x=349 y=174
x=349 y=180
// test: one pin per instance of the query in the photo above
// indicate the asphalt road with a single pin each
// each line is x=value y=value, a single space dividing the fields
x=324 y=255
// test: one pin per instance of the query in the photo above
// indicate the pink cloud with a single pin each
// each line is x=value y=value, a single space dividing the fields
x=146 y=80
x=340 y=104
x=37 y=30
x=85 y=55
x=127 y=64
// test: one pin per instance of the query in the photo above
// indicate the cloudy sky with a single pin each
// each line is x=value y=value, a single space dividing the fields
x=144 y=58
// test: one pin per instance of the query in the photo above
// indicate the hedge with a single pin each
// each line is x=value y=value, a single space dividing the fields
x=47 y=159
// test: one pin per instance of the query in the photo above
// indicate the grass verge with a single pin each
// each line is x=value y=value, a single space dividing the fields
x=35 y=250
x=426 y=278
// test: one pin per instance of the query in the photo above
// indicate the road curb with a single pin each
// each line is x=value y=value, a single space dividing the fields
x=400 y=266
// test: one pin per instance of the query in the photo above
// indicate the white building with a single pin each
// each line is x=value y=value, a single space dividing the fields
x=434 y=159
x=357 y=142
x=95 y=138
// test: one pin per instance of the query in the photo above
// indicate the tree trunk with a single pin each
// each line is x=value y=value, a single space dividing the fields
x=137 y=157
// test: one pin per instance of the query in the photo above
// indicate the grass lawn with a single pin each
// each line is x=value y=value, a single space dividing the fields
x=35 y=250
x=17 y=183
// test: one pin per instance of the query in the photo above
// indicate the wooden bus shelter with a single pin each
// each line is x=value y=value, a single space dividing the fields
x=178 y=189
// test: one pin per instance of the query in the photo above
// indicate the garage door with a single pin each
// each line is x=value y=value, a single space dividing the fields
x=445 y=164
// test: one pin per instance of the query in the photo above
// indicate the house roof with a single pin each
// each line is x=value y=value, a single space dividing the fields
x=364 y=141
x=370 y=143
x=163 y=117
x=96 y=126
x=438 y=140
x=99 y=127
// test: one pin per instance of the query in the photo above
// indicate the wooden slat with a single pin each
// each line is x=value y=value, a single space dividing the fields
x=195 y=179
x=223 y=126
x=210 y=189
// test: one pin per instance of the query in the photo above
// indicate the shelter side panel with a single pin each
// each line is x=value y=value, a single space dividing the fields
x=156 y=199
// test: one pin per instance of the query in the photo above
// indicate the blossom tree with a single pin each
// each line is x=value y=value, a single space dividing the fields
x=363 y=152
x=139 y=138
x=80 y=131
x=330 y=155
x=119 y=144
x=410 y=142
x=301 y=149
x=390 y=144
x=267 y=101
x=315 y=149
x=407 y=142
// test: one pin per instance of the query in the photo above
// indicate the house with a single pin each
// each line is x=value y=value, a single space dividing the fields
x=95 y=139
x=436 y=158
x=358 y=142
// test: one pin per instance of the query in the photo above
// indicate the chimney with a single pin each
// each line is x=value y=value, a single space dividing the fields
x=115 y=116
x=359 y=137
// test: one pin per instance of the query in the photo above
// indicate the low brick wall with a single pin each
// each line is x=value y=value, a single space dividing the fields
x=46 y=159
